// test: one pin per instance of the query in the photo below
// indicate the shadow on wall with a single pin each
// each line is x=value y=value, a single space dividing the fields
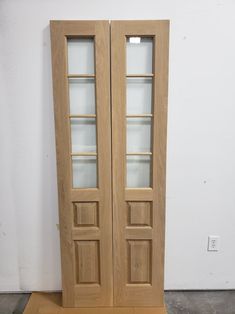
x=49 y=275
x=32 y=163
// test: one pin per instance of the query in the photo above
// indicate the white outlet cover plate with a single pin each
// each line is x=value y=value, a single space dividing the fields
x=213 y=243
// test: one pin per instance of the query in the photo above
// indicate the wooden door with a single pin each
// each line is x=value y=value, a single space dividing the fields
x=81 y=83
x=101 y=240
x=139 y=71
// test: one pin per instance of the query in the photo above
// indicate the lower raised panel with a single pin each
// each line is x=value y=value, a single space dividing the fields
x=87 y=262
x=139 y=261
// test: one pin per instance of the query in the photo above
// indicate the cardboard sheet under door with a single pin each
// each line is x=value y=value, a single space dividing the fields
x=50 y=303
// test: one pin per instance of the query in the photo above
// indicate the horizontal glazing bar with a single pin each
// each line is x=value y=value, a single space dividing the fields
x=140 y=75
x=82 y=115
x=84 y=154
x=139 y=154
x=80 y=75
x=145 y=115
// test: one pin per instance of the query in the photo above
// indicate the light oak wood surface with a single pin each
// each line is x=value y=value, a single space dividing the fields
x=51 y=303
x=85 y=214
x=112 y=237
x=139 y=249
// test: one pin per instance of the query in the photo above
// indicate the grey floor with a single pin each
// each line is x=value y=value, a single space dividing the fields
x=185 y=302
x=13 y=303
x=200 y=302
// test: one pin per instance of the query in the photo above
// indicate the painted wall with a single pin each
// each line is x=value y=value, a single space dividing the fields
x=201 y=139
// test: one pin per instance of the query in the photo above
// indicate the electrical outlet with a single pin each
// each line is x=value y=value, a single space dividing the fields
x=213 y=243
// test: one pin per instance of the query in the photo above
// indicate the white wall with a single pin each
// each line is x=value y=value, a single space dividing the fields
x=201 y=139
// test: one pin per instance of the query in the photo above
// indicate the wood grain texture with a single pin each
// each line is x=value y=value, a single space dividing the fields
x=88 y=261
x=139 y=261
x=51 y=303
x=131 y=264
x=140 y=213
x=76 y=294
x=93 y=243
x=86 y=214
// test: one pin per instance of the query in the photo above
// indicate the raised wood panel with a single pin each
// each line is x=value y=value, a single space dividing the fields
x=140 y=213
x=87 y=262
x=86 y=214
x=139 y=261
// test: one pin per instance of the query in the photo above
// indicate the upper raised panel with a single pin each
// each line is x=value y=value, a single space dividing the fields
x=140 y=213
x=139 y=55
x=86 y=214
x=81 y=56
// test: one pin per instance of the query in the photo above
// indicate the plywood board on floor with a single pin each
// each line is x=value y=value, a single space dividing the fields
x=50 y=303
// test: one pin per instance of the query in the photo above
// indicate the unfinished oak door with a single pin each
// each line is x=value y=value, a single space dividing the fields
x=81 y=83
x=111 y=206
x=139 y=63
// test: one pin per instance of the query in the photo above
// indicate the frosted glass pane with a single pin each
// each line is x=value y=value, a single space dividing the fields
x=138 y=135
x=82 y=96
x=81 y=56
x=138 y=171
x=139 y=56
x=139 y=95
x=84 y=170
x=83 y=134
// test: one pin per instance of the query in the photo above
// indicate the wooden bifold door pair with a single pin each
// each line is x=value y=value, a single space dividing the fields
x=110 y=98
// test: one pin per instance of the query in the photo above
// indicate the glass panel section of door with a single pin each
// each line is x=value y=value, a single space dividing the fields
x=82 y=104
x=139 y=78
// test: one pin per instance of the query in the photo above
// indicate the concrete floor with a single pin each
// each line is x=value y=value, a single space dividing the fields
x=13 y=303
x=178 y=302
x=200 y=302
